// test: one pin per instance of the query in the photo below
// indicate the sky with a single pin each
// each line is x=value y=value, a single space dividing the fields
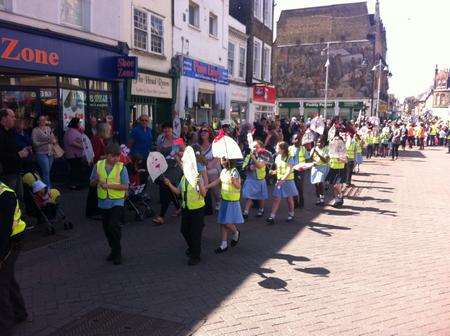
x=417 y=37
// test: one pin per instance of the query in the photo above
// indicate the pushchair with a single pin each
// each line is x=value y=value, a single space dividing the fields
x=48 y=215
x=138 y=199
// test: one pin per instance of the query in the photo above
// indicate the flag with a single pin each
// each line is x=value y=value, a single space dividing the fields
x=220 y=135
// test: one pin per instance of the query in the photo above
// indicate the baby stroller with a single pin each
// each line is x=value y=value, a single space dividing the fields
x=138 y=199
x=43 y=204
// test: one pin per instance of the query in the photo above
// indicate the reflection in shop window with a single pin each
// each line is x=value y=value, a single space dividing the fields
x=49 y=106
x=70 y=82
x=99 y=86
x=73 y=105
x=23 y=103
x=99 y=105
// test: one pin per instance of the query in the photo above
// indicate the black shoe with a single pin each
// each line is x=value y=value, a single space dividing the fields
x=270 y=221
x=110 y=257
x=193 y=261
x=117 y=260
x=188 y=252
x=235 y=242
x=245 y=215
x=219 y=250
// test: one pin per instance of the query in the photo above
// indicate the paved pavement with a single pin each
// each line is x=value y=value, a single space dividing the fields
x=379 y=266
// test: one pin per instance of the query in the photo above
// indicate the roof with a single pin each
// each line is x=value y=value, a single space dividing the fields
x=339 y=10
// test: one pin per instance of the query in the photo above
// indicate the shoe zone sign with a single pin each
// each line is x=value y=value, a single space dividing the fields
x=54 y=55
x=201 y=70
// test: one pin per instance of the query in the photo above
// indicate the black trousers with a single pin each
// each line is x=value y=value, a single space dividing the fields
x=299 y=178
x=349 y=167
x=12 y=305
x=192 y=224
x=369 y=151
x=394 y=152
x=165 y=198
x=92 y=203
x=111 y=226
x=76 y=172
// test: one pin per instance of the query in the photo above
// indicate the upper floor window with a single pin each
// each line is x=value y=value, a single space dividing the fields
x=268 y=7
x=213 y=24
x=194 y=14
x=2 y=4
x=148 y=32
x=242 y=56
x=231 y=52
x=72 y=13
x=257 y=51
x=267 y=63
x=258 y=9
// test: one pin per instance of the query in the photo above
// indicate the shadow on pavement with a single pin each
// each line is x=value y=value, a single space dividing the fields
x=318 y=271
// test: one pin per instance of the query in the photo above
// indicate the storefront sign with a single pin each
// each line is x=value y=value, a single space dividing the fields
x=318 y=105
x=201 y=70
x=152 y=86
x=50 y=54
x=264 y=94
x=289 y=105
x=351 y=104
x=127 y=67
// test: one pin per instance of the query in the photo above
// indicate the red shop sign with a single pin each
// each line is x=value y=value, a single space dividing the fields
x=264 y=94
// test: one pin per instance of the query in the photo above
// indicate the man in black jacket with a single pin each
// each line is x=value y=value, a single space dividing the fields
x=11 y=157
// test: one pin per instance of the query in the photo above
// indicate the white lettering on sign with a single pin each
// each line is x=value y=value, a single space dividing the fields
x=152 y=86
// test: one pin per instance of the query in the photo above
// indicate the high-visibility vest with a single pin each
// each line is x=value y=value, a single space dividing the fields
x=369 y=140
x=359 y=147
x=316 y=158
x=229 y=191
x=191 y=199
x=336 y=164
x=299 y=152
x=113 y=177
x=18 y=225
x=376 y=139
x=351 y=150
x=260 y=172
x=282 y=168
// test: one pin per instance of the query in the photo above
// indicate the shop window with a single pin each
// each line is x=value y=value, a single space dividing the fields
x=268 y=7
x=157 y=43
x=213 y=24
x=99 y=105
x=23 y=103
x=242 y=56
x=48 y=99
x=194 y=14
x=231 y=53
x=140 y=29
x=73 y=12
x=100 y=86
x=267 y=58
x=70 y=82
x=73 y=105
x=257 y=49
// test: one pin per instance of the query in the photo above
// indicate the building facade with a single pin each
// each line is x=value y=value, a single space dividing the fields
x=354 y=41
x=200 y=50
x=60 y=59
x=257 y=16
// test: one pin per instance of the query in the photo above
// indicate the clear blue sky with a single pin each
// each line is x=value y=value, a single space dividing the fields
x=417 y=36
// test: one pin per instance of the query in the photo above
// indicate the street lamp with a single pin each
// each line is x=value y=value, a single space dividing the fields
x=380 y=67
x=327 y=67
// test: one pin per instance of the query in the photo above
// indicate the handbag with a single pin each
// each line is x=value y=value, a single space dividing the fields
x=58 y=152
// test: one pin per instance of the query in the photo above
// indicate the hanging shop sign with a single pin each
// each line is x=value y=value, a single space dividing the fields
x=201 y=70
x=127 y=67
x=263 y=93
x=318 y=105
x=351 y=105
x=289 y=105
x=152 y=86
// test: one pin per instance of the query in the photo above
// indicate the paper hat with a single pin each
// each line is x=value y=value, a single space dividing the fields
x=38 y=186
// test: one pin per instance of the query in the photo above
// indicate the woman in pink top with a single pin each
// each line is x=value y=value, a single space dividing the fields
x=74 y=152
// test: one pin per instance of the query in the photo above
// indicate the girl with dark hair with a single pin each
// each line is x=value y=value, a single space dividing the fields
x=230 y=213
x=285 y=186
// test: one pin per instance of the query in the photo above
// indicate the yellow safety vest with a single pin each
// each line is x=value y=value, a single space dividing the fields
x=351 y=150
x=336 y=164
x=190 y=197
x=376 y=139
x=301 y=153
x=316 y=158
x=113 y=177
x=18 y=225
x=282 y=168
x=260 y=172
x=229 y=191
x=359 y=148
x=369 y=140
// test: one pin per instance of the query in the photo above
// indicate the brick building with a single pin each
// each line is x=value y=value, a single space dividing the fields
x=357 y=42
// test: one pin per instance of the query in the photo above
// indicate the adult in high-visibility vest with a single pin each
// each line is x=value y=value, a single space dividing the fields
x=369 y=144
x=12 y=227
x=192 y=214
x=285 y=186
x=230 y=213
x=255 y=185
x=111 y=179
x=299 y=154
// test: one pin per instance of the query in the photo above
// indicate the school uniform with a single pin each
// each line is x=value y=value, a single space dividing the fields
x=255 y=185
x=359 y=150
x=320 y=169
x=299 y=155
x=337 y=172
x=288 y=187
x=351 y=156
x=230 y=208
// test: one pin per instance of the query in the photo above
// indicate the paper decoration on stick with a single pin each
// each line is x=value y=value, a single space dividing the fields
x=190 y=166
x=331 y=133
x=303 y=166
x=225 y=147
x=156 y=165
x=249 y=138
x=317 y=125
x=338 y=149
x=308 y=137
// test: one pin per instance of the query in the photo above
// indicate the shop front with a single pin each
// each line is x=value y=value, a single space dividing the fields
x=263 y=103
x=350 y=110
x=287 y=110
x=203 y=92
x=312 y=108
x=44 y=73
x=239 y=103
x=150 y=94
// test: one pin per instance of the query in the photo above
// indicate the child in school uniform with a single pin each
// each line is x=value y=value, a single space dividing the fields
x=230 y=213
x=359 y=151
x=319 y=171
x=285 y=186
x=255 y=185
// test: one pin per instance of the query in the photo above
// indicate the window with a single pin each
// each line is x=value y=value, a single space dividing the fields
x=257 y=49
x=72 y=12
x=231 y=59
x=212 y=24
x=242 y=55
x=267 y=59
x=194 y=14
x=258 y=9
x=2 y=4
x=268 y=7
x=157 y=29
x=140 y=29
x=143 y=24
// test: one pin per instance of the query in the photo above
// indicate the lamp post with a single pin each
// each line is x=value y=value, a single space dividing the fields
x=379 y=66
x=327 y=67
